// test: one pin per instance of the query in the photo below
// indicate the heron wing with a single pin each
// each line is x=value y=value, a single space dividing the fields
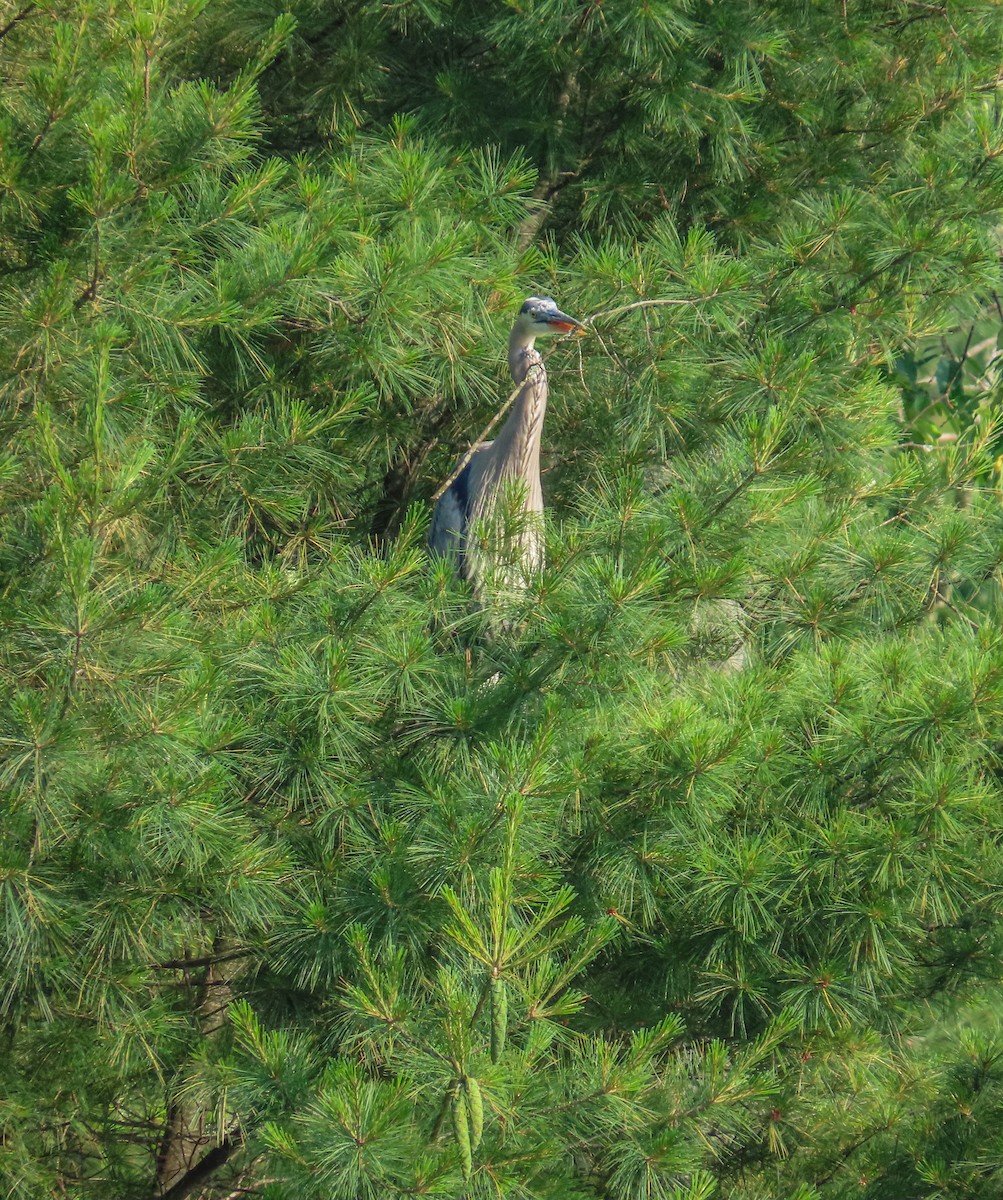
x=451 y=515
x=449 y=518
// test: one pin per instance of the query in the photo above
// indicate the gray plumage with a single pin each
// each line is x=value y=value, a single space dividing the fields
x=489 y=518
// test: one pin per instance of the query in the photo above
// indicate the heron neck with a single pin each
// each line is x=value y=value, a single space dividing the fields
x=520 y=352
x=521 y=434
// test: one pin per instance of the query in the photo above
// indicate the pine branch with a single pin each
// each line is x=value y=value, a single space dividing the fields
x=733 y=494
x=197 y=1175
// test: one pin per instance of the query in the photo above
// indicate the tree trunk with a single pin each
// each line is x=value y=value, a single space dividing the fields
x=187 y=1139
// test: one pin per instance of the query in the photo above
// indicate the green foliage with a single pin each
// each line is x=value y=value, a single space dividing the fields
x=307 y=882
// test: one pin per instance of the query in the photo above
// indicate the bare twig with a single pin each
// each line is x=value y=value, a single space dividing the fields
x=608 y=315
x=973 y=624
x=207 y=960
x=16 y=20
x=460 y=466
x=457 y=471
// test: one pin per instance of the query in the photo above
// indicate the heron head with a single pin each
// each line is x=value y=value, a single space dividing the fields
x=540 y=317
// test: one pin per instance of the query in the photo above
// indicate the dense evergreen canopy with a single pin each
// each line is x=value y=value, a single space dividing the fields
x=310 y=889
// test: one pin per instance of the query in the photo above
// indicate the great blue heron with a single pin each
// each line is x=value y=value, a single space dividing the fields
x=488 y=519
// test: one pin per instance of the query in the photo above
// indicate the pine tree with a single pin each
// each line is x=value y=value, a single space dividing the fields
x=309 y=889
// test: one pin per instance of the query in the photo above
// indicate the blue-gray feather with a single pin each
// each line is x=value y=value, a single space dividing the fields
x=460 y=488
x=450 y=519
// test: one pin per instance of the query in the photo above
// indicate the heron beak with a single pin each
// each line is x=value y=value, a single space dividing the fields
x=565 y=323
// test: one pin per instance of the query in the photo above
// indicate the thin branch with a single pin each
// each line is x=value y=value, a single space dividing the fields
x=252 y=1191
x=39 y=137
x=90 y=292
x=858 y=286
x=461 y=465
x=16 y=20
x=626 y=308
x=735 y=492
x=845 y=1155
x=973 y=624
x=208 y=960
x=960 y=365
x=713 y=514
